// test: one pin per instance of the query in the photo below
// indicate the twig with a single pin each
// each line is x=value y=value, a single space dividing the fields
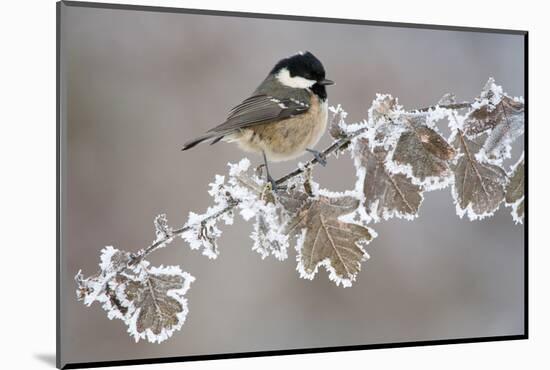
x=447 y=106
x=333 y=148
x=138 y=257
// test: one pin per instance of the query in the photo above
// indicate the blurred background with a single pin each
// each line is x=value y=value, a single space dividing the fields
x=139 y=84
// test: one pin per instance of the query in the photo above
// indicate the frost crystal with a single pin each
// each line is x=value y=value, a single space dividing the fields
x=203 y=232
x=384 y=125
x=515 y=190
x=446 y=99
x=500 y=117
x=253 y=200
x=337 y=125
x=163 y=231
x=150 y=300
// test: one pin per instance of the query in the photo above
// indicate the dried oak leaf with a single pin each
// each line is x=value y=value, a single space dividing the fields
x=386 y=194
x=326 y=240
x=478 y=188
x=157 y=304
x=426 y=152
x=515 y=191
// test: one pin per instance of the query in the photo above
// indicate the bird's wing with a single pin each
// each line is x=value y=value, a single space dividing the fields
x=260 y=109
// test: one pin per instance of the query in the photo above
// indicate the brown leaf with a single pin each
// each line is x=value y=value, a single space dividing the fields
x=328 y=240
x=386 y=194
x=382 y=106
x=335 y=129
x=158 y=310
x=425 y=151
x=487 y=116
x=478 y=187
x=500 y=117
x=293 y=200
x=150 y=300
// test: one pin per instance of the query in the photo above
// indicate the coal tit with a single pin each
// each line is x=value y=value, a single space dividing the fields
x=284 y=117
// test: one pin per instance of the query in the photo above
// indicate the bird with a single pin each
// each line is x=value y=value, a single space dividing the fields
x=283 y=118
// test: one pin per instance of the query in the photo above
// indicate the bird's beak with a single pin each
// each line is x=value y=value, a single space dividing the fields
x=325 y=82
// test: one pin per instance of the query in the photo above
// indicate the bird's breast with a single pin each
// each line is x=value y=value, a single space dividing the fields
x=287 y=139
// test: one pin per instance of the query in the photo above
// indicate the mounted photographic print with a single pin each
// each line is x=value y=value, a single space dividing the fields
x=236 y=184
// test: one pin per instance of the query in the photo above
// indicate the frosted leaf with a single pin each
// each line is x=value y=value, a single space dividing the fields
x=447 y=99
x=162 y=230
x=478 y=188
x=337 y=124
x=202 y=230
x=385 y=195
x=156 y=303
x=498 y=115
x=202 y=233
x=383 y=107
x=325 y=240
x=515 y=190
x=268 y=235
x=269 y=238
x=254 y=200
x=293 y=200
x=498 y=143
x=150 y=301
x=93 y=288
x=422 y=154
x=384 y=126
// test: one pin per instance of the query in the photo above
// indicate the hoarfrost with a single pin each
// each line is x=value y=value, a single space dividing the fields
x=163 y=231
x=398 y=155
x=499 y=116
x=149 y=300
x=515 y=190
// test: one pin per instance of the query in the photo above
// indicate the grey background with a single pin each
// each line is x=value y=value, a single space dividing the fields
x=139 y=84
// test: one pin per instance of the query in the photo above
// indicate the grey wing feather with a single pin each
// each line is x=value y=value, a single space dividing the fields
x=260 y=109
x=255 y=110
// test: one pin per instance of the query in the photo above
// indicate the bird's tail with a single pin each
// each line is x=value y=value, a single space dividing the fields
x=200 y=139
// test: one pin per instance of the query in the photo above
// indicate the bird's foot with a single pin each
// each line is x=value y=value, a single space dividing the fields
x=320 y=157
x=273 y=184
x=259 y=170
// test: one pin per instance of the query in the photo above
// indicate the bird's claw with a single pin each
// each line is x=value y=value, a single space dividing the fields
x=320 y=157
x=273 y=183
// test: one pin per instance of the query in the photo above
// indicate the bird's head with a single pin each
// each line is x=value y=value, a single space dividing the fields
x=302 y=71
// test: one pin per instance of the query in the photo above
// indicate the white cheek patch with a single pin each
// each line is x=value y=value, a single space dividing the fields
x=296 y=82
